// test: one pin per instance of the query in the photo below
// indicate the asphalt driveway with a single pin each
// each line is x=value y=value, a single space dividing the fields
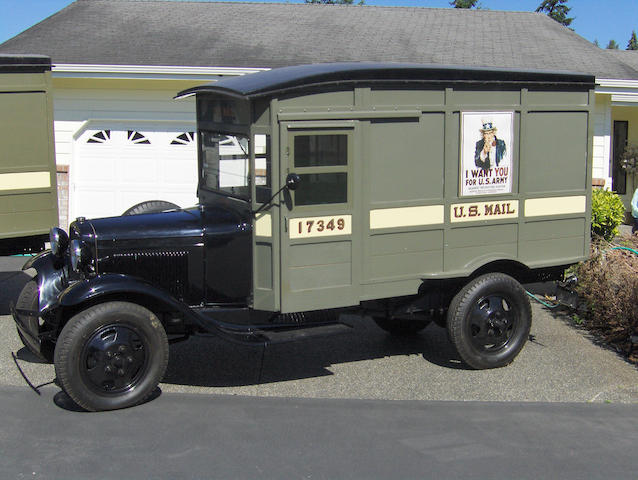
x=561 y=364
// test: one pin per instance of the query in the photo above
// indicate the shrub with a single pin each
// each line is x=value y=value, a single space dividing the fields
x=607 y=212
x=608 y=283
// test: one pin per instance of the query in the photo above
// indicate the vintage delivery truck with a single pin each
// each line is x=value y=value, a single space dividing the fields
x=28 y=192
x=411 y=193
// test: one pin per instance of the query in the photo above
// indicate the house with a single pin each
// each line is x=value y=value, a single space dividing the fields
x=121 y=138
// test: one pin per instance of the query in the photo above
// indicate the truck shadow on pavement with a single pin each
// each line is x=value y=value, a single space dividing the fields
x=212 y=362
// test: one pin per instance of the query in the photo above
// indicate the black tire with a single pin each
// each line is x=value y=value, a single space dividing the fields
x=150 y=206
x=489 y=321
x=28 y=300
x=399 y=326
x=112 y=355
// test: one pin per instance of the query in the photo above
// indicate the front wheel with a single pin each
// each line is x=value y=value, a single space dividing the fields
x=112 y=355
x=489 y=321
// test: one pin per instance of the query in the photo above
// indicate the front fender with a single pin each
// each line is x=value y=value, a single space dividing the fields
x=112 y=283
x=52 y=277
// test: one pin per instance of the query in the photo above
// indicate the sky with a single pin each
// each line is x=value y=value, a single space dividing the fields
x=594 y=19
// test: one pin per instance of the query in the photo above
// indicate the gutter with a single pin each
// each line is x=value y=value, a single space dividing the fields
x=623 y=92
x=147 y=72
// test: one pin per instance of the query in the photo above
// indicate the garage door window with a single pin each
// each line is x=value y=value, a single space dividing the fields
x=137 y=138
x=102 y=136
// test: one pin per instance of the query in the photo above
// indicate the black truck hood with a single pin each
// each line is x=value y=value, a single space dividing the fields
x=149 y=228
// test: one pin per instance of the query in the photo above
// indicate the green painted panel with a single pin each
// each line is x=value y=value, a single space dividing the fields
x=16 y=82
x=406 y=159
x=551 y=229
x=406 y=242
x=469 y=258
x=406 y=97
x=472 y=236
x=552 y=250
x=24 y=134
x=321 y=276
x=486 y=98
x=26 y=223
x=417 y=264
x=28 y=202
x=328 y=99
x=373 y=291
x=324 y=253
x=557 y=98
x=555 y=143
x=263 y=258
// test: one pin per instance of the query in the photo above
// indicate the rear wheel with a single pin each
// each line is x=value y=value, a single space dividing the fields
x=489 y=321
x=28 y=301
x=111 y=356
x=399 y=326
x=150 y=206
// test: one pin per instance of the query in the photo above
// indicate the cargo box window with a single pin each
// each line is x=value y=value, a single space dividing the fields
x=321 y=150
x=322 y=162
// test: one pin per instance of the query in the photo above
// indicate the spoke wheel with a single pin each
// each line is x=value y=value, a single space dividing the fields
x=112 y=355
x=489 y=321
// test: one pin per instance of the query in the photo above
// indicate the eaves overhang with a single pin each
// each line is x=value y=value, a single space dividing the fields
x=147 y=72
x=622 y=92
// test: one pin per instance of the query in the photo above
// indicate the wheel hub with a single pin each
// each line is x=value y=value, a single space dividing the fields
x=114 y=359
x=491 y=323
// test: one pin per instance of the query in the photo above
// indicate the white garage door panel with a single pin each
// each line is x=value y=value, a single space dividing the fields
x=114 y=169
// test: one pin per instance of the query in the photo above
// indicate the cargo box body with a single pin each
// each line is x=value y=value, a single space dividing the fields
x=394 y=190
x=28 y=193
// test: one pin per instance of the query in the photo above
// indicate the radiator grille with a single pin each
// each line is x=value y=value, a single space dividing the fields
x=165 y=269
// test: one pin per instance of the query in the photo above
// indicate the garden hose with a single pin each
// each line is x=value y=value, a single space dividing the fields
x=625 y=248
x=548 y=305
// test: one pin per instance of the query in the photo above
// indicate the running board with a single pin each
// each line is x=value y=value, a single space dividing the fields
x=275 y=335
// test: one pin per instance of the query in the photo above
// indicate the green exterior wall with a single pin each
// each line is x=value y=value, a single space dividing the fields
x=405 y=157
x=28 y=193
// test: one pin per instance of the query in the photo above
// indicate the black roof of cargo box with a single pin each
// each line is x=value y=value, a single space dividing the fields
x=24 y=63
x=339 y=75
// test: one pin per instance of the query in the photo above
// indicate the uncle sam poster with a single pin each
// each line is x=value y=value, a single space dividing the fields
x=486 y=153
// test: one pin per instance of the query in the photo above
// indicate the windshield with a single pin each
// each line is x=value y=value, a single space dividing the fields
x=225 y=164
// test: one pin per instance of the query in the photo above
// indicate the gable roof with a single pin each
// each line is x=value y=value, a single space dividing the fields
x=629 y=57
x=130 y=32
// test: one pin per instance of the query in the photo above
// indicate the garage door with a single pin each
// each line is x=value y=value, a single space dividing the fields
x=114 y=169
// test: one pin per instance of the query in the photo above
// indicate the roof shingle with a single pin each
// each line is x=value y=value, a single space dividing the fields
x=130 y=32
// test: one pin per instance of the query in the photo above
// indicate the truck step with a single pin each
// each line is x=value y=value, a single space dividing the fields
x=302 y=333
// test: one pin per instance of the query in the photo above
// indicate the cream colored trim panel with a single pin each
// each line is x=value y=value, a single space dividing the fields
x=538 y=207
x=475 y=211
x=312 y=227
x=25 y=180
x=407 y=216
x=263 y=225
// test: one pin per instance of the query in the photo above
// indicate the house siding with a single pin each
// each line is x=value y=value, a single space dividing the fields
x=602 y=139
x=81 y=105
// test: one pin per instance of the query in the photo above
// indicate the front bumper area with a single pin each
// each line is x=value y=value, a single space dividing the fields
x=27 y=322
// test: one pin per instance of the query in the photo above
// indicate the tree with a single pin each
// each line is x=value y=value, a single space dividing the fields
x=612 y=45
x=596 y=42
x=557 y=10
x=464 y=3
x=633 y=41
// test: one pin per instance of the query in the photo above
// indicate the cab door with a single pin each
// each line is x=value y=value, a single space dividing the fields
x=320 y=229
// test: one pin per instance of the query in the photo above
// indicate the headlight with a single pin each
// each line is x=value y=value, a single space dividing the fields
x=59 y=240
x=76 y=255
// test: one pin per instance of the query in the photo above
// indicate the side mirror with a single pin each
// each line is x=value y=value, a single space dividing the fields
x=292 y=181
